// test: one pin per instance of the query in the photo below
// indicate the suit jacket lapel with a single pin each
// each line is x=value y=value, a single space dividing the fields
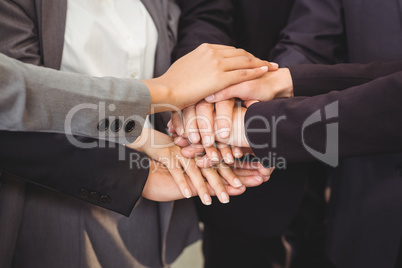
x=52 y=23
x=159 y=11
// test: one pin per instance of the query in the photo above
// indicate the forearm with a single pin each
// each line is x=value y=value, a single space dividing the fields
x=50 y=160
x=41 y=99
x=367 y=118
x=316 y=79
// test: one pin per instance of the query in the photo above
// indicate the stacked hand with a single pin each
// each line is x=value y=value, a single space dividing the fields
x=173 y=176
x=214 y=126
x=220 y=118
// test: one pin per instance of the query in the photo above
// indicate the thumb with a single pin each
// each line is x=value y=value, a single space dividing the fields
x=273 y=66
x=250 y=102
x=224 y=94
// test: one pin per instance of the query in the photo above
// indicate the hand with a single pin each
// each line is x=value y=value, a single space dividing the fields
x=161 y=148
x=202 y=72
x=270 y=86
x=254 y=170
x=202 y=119
x=162 y=187
x=237 y=135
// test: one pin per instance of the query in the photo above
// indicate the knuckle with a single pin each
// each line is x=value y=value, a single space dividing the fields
x=204 y=105
x=243 y=73
x=215 y=62
x=242 y=51
x=204 y=46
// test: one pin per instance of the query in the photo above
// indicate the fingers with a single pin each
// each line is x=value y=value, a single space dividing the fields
x=266 y=172
x=190 y=123
x=227 y=173
x=273 y=66
x=205 y=119
x=226 y=153
x=238 y=52
x=204 y=162
x=177 y=123
x=181 y=141
x=249 y=103
x=243 y=91
x=243 y=62
x=215 y=181
x=216 y=46
x=249 y=178
x=170 y=127
x=176 y=171
x=223 y=117
x=192 y=150
x=197 y=180
x=237 y=152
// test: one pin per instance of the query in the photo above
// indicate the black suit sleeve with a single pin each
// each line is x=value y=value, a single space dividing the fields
x=315 y=79
x=368 y=117
x=203 y=21
x=315 y=34
x=51 y=161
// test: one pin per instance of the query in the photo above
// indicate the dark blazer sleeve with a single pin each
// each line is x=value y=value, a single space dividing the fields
x=111 y=177
x=315 y=79
x=203 y=21
x=368 y=117
x=314 y=34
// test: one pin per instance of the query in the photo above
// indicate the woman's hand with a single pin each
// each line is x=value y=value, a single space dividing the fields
x=202 y=72
x=237 y=135
x=161 y=148
x=271 y=85
x=162 y=187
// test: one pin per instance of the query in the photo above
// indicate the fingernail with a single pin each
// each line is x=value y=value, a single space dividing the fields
x=187 y=193
x=207 y=200
x=238 y=154
x=229 y=158
x=206 y=140
x=194 y=137
x=264 y=68
x=258 y=178
x=202 y=159
x=215 y=157
x=224 y=133
x=266 y=178
x=274 y=64
x=179 y=131
x=224 y=198
x=210 y=98
x=237 y=182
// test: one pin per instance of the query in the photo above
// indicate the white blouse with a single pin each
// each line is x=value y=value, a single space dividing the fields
x=109 y=38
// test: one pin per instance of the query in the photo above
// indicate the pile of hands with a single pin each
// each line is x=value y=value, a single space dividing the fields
x=208 y=92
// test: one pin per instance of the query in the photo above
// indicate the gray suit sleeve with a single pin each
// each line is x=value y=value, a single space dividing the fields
x=44 y=100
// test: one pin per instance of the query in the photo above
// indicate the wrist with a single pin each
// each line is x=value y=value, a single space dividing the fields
x=160 y=95
x=284 y=88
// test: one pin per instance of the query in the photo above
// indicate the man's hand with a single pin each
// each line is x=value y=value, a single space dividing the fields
x=270 y=86
x=202 y=72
